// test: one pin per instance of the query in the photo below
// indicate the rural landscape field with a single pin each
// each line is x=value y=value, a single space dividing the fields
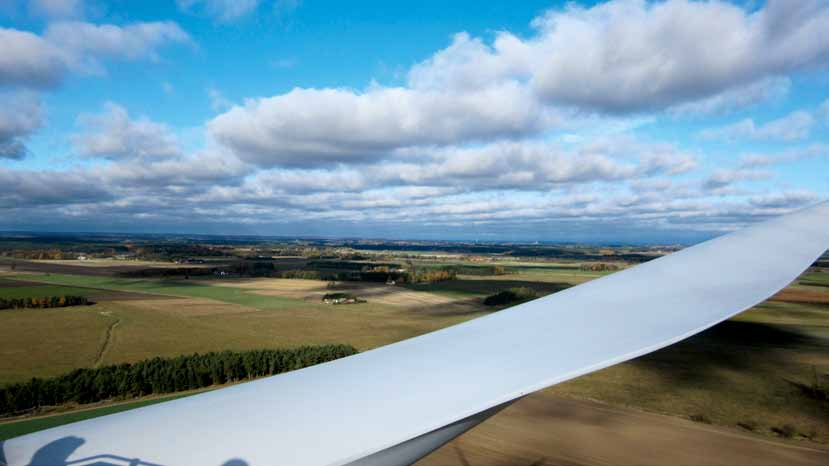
x=757 y=381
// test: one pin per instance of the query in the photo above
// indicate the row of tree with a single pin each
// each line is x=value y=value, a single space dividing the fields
x=162 y=375
x=302 y=274
x=43 y=302
x=598 y=267
x=511 y=296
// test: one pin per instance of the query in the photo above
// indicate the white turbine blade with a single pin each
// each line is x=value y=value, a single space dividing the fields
x=380 y=405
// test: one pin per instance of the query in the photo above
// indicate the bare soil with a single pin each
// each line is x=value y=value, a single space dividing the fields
x=546 y=429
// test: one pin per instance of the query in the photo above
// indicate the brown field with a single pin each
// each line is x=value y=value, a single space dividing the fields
x=801 y=295
x=313 y=290
x=545 y=429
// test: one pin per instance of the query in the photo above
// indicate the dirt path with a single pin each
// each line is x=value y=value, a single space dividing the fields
x=545 y=429
x=107 y=343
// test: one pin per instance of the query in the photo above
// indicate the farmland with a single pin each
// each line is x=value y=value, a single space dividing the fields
x=756 y=375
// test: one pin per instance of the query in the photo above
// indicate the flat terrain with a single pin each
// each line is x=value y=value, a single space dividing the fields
x=92 y=267
x=545 y=430
x=748 y=382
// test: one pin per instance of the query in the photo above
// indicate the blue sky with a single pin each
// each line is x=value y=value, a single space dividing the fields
x=623 y=120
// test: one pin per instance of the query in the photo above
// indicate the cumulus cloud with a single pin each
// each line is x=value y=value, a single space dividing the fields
x=786 y=199
x=29 y=188
x=318 y=126
x=32 y=61
x=87 y=41
x=536 y=165
x=631 y=55
x=793 y=127
x=720 y=179
x=113 y=134
x=20 y=115
x=28 y=60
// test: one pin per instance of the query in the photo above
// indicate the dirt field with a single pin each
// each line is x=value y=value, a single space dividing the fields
x=545 y=429
x=373 y=293
x=800 y=295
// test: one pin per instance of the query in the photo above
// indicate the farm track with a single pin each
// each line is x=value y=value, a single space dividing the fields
x=108 y=337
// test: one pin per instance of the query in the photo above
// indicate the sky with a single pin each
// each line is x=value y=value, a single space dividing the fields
x=618 y=121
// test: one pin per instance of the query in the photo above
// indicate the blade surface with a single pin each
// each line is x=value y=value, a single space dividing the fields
x=346 y=410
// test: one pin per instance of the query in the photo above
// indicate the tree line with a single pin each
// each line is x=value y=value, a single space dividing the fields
x=511 y=296
x=44 y=302
x=162 y=375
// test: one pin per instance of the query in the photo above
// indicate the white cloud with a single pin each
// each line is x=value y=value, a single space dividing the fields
x=630 y=55
x=87 y=41
x=27 y=188
x=721 y=179
x=31 y=61
x=20 y=115
x=755 y=160
x=793 y=127
x=28 y=60
x=750 y=95
x=113 y=134
x=786 y=199
x=307 y=127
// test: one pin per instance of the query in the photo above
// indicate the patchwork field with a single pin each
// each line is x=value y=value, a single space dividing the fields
x=760 y=374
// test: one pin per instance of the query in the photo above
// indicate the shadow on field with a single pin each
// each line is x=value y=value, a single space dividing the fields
x=466 y=308
x=57 y=453
x=487 y=287
x=732 y=345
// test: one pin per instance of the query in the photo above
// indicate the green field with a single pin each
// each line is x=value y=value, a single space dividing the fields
x=179 y=288
x=41 y=291
x=27 y=426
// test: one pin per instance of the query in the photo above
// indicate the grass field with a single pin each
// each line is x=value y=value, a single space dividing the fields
x=27 y=426
x=43 y=290
x=179 y=288
x=52 y=341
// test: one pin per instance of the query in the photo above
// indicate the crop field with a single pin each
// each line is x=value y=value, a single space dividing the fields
x=175 y=288
x=179 y=317
x=761 y=373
